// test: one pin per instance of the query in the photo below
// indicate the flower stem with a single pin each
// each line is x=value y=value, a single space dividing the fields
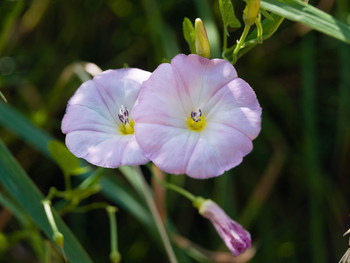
x=240 y=43
x=57 y=236
x=67 y=182
x=136 y=178
x=177 y=189
x=259 y=29
x=114 y=255
x=158 y=220
x=158 y=191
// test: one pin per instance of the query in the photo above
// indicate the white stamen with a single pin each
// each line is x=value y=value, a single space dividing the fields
x=196 y=115
x=123 y=114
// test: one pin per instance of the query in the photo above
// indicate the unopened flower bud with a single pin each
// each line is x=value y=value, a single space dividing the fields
x=202 y=42
x=250 y=12
x=236 y=238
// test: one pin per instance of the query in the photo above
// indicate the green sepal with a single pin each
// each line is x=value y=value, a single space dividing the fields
x=228 y=15
x=188 y=31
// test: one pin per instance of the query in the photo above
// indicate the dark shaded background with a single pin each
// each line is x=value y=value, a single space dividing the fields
x=291 y=192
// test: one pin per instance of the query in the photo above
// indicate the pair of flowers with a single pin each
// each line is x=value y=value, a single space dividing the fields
x=193 y=116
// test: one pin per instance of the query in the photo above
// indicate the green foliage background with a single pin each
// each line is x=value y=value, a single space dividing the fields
x=291 y=192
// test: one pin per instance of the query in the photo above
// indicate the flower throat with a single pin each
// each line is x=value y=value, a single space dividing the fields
x=128 y=123
x=196 y=121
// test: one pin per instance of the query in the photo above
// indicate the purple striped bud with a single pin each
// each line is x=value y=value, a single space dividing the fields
x=236 y=238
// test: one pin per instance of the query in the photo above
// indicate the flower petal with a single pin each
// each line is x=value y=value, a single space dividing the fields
x=220 y=149
x=235 y=105
x=80 y=117
x=90 y=106
x=104 y=149
x=201 y=77
x=120 y=87
x=159 y=100
x=168 y=147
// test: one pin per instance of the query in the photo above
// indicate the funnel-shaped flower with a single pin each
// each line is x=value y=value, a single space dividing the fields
x=98 y=120
x=236 y=238
x=195 y=116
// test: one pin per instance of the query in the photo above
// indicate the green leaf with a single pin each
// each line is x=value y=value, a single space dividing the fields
x=24 y=191
x=11 y=204
x=228 y=15
x=39 y=139
x=65 y=159
x=18 y=124
x=269 y=27
x=188 y=31
x=308 y=15
x=266 y=14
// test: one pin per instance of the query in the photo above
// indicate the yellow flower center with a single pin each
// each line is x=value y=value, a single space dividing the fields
x=127 y=126
x=196 y=121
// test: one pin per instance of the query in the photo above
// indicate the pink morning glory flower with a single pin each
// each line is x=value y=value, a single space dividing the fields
x=98 y=122
x=196 y=117
x=236 y=238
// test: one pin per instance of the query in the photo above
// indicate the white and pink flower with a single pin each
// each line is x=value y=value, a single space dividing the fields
x=195 y=116
x=98 y=122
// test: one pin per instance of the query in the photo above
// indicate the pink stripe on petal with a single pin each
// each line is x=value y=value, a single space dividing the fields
x=200 y=77
x=235 y=106
x=162 y=89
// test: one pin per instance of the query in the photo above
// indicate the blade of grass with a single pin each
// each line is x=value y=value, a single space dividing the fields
x=24 y=191
x=313 y=171
x=308 y=15
x=264 y=187
x=343 y=122
x=15 y=208
x=162 y=35
x=9 y=21
x=136 y=178
x=18 y=124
